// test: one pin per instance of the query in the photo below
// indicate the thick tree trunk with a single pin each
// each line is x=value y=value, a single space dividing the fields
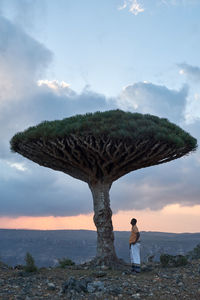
x=103 y=220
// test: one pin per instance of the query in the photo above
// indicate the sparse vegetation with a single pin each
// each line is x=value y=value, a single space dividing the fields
x=168 y=260
x=195 y=253
x=64 y=262
x=30 y=263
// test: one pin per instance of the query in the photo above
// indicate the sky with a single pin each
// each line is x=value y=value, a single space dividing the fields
x=66 y=57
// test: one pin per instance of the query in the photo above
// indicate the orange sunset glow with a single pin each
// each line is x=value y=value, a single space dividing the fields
x=172 y=218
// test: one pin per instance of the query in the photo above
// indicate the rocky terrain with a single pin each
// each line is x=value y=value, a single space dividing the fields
x=81 y=282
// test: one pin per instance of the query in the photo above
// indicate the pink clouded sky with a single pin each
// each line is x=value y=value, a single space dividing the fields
x=61 y=58
x=172 y=218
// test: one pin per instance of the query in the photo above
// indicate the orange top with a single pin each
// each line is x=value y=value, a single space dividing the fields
x=133 y=235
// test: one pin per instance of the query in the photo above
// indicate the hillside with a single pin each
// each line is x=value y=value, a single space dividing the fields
x=80 y=245
x=80 y=282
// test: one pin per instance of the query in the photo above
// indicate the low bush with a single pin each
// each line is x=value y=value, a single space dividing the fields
x=195 y=253
x=168 y=260
x=64 y=262
x=30 y=263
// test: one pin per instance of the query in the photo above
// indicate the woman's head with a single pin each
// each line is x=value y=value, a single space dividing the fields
x=133 y=221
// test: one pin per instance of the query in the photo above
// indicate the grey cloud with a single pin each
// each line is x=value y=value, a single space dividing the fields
x=46 y=192
x=154 y=99
x=42 y=192
x=191 y=72
x=156 y=187
x=46 y=105
x=22 y=102
x=22 y=60
x=39 y=191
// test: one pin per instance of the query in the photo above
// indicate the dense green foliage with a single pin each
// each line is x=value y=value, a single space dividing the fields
x=64 y=262
x=116 y=124
x=168 y=260
x=30 y=263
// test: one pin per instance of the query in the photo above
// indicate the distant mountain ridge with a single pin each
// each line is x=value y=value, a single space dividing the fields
x=47 y=246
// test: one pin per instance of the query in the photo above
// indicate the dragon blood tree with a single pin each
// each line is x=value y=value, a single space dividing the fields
x=99 y=148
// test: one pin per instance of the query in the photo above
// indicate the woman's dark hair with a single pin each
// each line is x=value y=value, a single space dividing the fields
x=133 y=221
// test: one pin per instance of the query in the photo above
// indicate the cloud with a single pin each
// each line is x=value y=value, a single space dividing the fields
x=22 y=61
x=191 y=72
x=47 y=103
x=41 y=192
x=159 y=186
x=26 y=99
x=133 y=6
x=192 y=75
x=59 y=88
x=38 y=191
x=156 y=187
x=31 y=190
x=18 y=166
x=154 y=99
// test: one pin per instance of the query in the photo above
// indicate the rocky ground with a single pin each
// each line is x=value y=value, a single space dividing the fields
x=80 y=282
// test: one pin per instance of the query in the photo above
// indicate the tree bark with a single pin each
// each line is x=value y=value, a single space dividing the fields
x=103 y=220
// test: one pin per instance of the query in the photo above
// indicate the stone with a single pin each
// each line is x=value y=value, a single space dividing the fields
x=180 y=284
x=90 y=288
x=75 y=285
x=95 y=286
x=51 y=286
x=115 y=290
x=99 y=274
x=103 y=267
x=136 y=296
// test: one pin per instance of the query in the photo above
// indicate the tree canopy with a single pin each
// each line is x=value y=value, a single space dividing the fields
x=103 y=146
x=115 y=124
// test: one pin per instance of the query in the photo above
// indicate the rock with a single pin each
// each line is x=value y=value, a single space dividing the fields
x=150 y=294
x=91 y=288
x=180 y=284
x=198 y=269
x=99 y=274
x=51 y=286
x=125 y=284
x=136 y=296
x=95 y=286
x=115 y=290
x=147 y=268
x=76 y=285
x=128 y=272
x=103 y=267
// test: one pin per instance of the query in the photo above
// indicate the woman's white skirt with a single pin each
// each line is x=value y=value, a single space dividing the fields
x=135 y=254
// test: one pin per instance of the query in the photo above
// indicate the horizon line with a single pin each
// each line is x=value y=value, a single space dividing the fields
x=150 y=231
